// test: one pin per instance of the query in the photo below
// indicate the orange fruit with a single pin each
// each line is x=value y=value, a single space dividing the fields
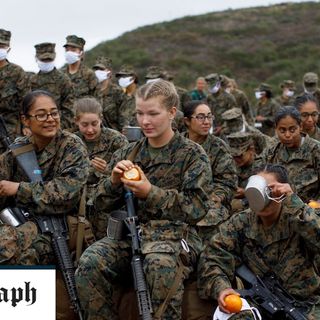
x=233 y=303
x=132 y=174
x=314 y=204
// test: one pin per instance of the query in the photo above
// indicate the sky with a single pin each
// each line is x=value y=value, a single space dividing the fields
x=33 y=21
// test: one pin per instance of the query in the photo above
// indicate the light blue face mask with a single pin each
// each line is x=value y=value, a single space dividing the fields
x=45 y=66
x=214 y=89
x=3 y=54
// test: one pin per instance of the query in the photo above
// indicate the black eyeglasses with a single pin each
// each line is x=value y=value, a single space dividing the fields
x=306 y=115
x=44 y=116
x=202 y=117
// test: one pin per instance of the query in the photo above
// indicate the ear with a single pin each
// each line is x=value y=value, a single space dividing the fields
x=172 y=113
x=25 y=121
x=186 y=121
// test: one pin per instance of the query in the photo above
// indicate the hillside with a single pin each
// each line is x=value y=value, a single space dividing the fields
x=252 y=45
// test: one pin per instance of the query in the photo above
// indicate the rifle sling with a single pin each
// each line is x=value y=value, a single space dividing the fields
x=22 y=149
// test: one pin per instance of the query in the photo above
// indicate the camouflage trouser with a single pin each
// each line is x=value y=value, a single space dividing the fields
x=107 y=262
x=24 y=246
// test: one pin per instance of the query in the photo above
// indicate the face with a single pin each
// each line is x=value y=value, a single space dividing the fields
x=288 y=131
x=199 y=123
x=48 y=128
x=245 y=158
x=89 y=125
x=201 y=84
x=309 y=115
x=272 y=207
x=154 y=118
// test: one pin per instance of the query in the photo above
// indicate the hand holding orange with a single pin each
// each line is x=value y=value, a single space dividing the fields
x=132 y=174
x=233 y=303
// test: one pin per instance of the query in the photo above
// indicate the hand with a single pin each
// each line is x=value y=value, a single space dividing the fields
x=139 y=188
x=222 y=296
x=260 y=118
x=119 y=169
x=278 y=189
x=99 y=164
x=8 y=188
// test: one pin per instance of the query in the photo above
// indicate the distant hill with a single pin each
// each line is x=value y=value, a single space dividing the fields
x=263 y=44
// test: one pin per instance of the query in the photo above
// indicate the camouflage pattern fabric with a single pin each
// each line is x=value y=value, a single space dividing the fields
x=13 y=87
x=242 y=102
x=108 y=142
x=285 y=101
x=267 y=110
x=84 y=81
x=280 y=249
x=64 y=167
x=316 y=134
x=111 y=99
x=60 y=86
x=126 y=115
x=183 y=97
x=219 y=103
x=180 y=175
x=302 y=165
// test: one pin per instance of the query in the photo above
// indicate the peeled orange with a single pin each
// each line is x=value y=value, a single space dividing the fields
x=314 y=204
x=233 y=303
x=132 y=174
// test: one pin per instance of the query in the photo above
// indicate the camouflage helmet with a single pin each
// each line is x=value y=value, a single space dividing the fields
x=239 y=142
x=74 y=41
x=125 y=70
x=45 y=50
x=264 y=87
x=103 y=63
x=310 y=78
x=231 y=114
x=224 y=81
x=288 y=84
x=212 y=78
x=155 y=72
x=5 y=37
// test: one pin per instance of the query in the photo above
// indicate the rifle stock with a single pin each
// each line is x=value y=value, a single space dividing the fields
x=142 y=292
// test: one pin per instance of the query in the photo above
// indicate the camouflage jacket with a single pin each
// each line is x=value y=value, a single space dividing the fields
x=242 y=102
x=64 y=164
x=184 y=97
x=303 y=165
x=316 y=134
x=13 y=87
x=219 y=103
x=261 y=141
x=223 y=168
x=127 y=110
x=280 y=249
x=180 y=176
x=109 y=141
x=285 y=101
x=84 y=81
x=60 y=86
x=111 y=99
x=267 y=110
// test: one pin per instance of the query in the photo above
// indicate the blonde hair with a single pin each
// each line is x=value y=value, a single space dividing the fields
x=160 y=88
x=87 y=105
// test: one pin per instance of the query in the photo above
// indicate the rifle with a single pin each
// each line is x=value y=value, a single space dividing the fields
x=140 y=285
x=272 y=299
x=53 y=225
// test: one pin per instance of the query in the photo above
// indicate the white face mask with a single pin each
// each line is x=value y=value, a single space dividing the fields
x=102 y=75
x=215 y=88
x=152 y=80
x=258 y=95
x=45 y=67
x=125 y=82
x=72 y=57
x=289 y=93
x=3 y=54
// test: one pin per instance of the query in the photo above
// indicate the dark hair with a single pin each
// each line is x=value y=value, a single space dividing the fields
x=304 y=98
x=278 y=170
x=285 y=112
x=269 y=94
x=191 y=106
x=31 y=97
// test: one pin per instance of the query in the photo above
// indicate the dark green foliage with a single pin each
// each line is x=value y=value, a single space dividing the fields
x=265 y=44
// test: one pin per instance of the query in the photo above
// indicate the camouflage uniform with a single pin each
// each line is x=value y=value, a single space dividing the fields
x=108 y=142
x=303 y=165
x=180 y=175
x=284 y=100
x=316 y=134
x=242 y=102
x=13 y=87
x=55 y=82
x=220 y=101
x=310 y=83
x=64 y=165
x=110 y=96
x=233 y=123
x=280 y=249
x=84 y=80
x=267 y=109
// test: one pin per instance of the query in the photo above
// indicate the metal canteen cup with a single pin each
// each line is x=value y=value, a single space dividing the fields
x=256 y=193
x=132 y=133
